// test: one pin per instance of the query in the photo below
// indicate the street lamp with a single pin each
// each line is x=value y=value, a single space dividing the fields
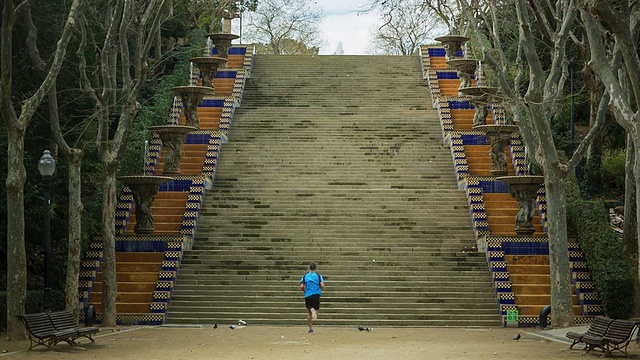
x=47 y=166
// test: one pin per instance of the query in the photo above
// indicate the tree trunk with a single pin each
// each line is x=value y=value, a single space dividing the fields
x=16 y=253
x=16 y=174
x=636 y=174
x=74 y=161
x=109 y=284
x=630 y=234
x=561 y=299
x=76 y=208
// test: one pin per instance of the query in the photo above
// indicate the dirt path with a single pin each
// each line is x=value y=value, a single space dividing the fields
x=265 y=342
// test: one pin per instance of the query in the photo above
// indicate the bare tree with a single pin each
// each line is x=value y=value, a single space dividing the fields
x=121 y=46
x=278 y=24
x=447 y=11
x=535 y=106
x=74 y=160
x=404 y=29
x=613 y=32
x=16 y=126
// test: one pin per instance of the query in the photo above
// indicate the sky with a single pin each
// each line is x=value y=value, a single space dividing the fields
x=342 y=23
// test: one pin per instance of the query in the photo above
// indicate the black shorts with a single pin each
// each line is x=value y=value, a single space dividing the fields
x=312 y=301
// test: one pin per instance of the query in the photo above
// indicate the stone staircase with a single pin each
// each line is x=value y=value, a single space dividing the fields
x=337 y=160
x=519 y=264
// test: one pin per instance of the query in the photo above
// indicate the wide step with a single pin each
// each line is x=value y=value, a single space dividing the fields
x=361 y=184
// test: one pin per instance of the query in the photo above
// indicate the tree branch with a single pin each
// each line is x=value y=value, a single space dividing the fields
x=32 y=36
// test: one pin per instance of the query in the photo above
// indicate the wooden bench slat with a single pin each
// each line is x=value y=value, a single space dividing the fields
x=616 y=338
x=63 y=320
x=48 y=329
x=598 y=328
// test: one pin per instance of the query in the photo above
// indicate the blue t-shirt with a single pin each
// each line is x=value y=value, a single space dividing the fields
x=311 y=281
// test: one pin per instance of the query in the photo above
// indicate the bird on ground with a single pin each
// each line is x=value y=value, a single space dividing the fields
x=517 y=337
x=215 y=326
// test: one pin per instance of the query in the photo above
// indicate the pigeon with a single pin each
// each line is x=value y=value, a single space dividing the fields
x=233 y=326
x=361 y=328
x=215 y=326
x=517 y=337
x=242 y=323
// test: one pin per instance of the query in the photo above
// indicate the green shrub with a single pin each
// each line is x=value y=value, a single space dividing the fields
x=33 y=304
x=610 y=269
x=591 y=181
x=613 y=171
x=157 y=98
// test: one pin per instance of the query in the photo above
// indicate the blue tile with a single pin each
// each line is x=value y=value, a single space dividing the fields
x=238 y=50
x=225 y=74
x=197 y=139
x=459 y=104
x=472 y=139
x=212 y=103
x=437 y=52
x=176 y=185
x=491 y=186
x=525 y=248
x=450 y=75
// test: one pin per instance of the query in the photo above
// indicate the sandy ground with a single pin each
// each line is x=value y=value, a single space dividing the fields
x=265 y=342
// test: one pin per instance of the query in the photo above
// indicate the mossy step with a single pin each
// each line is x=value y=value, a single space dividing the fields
x=353 y=314
x=329 y=306
x=352 y=252
x=290 y=132
x=343 y=279
x=291 y=320
x=261 y=255
x=355 y=266
x=332 y=244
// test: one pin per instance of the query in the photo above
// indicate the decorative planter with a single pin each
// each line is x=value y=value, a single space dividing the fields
x=191 y=97
x=465 y=68
x=524 y=189
x=222 y=42
x=498 y=136
x=208 y=67
x=144 y=189
x=480 y=97
x=452 y=43
x=172 y=138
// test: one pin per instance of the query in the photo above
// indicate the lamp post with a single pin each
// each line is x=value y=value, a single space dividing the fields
x=46 y=166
